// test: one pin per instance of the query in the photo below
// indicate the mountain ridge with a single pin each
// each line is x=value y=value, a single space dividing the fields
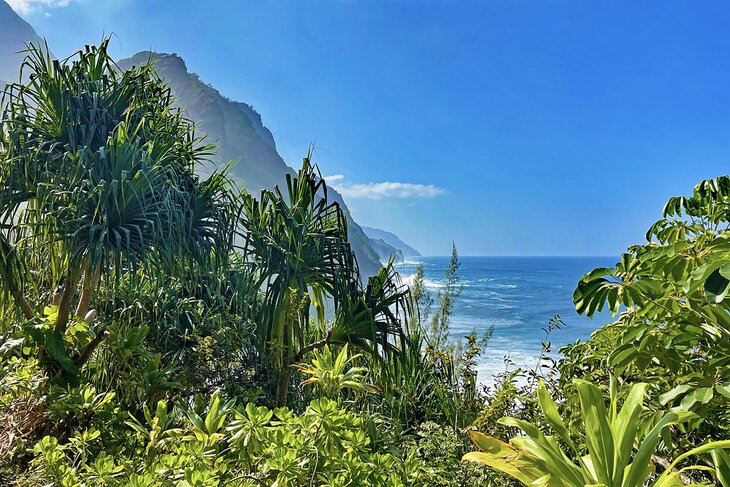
x=15 y=33
x=392 y=240
x=386 y=252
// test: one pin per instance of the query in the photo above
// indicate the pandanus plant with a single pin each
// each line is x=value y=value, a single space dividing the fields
x=617 y=455
x=298 y=244
x=96 y=178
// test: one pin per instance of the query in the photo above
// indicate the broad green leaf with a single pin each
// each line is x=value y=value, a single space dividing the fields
x=723 y=390
x=548 y=407
x=57 y=349
x=677 y=391
x=639 y=469
x=625 y=429
x=707 y=447
x=716 y=287
x=721 y=460
x=599 y=437
x=513 y=466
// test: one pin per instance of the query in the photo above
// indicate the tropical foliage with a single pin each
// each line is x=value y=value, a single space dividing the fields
x=670 y=340
x=161 y=328
x=606 y=456
x=150 y=316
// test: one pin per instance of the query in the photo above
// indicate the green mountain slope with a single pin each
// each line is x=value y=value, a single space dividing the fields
x=385 y=251
x=392 y=240
x=240 y=135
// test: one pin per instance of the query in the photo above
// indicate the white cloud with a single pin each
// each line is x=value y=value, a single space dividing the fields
x=333 y=178
x=25 y=7
x=377 y=191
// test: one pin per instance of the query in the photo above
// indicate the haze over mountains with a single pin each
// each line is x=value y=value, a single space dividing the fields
x=392 y=240
x=14 y=33
x=235 y=127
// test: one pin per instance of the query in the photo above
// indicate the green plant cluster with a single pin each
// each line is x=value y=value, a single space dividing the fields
x=162 y=328
x=227 y=445
x=665 y=359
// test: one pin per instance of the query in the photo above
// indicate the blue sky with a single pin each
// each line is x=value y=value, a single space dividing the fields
x=511 y=127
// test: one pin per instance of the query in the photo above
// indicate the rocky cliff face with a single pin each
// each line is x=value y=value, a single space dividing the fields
x=14 y=34
x=385 y=251
x=240 y=135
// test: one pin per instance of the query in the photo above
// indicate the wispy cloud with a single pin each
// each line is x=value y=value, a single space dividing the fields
x=25 y=7
x=333 y=178
x=387 y=189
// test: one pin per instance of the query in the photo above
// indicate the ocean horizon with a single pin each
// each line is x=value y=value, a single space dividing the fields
x=517 y=296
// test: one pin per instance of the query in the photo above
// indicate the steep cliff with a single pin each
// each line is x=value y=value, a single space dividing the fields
x=14 y=34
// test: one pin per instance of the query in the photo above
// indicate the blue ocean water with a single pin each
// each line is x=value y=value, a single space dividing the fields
x=518 y=296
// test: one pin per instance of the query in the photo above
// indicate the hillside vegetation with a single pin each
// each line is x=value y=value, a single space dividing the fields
x=162 y=326
x=240 y=138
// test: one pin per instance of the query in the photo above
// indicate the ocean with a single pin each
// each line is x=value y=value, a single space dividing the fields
x=517 y=296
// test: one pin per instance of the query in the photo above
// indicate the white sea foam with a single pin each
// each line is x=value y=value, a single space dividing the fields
x=498 y=361
x=516 y=300
x=407 y=279
x=433 y=284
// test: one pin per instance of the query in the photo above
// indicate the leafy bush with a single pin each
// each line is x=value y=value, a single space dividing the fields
x=227 y=445
x=606 y=456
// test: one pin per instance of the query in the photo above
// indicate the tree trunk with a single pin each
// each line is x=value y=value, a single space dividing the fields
x=282 y=386
x=64 y=309
x=21 y=302
x=89 y=349
x=311 y=347
x=91 y=279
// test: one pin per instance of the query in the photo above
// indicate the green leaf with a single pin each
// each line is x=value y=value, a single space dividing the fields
x=56 y=348
x=716 y=287
x=505 y=458
x=723 y=390
x=639 y=469
x=721 y=460
x=704 y=394
x=548 y=407
x=707 y=447
x=599 y=437
x=625 y=428
x=672 y=394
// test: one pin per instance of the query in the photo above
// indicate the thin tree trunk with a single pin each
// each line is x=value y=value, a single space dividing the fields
x=89 y=349
x=280 y=325
x=24 y=305
x=282 y=386
x=311 y=347
x=91 y=279
x=64 y=309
